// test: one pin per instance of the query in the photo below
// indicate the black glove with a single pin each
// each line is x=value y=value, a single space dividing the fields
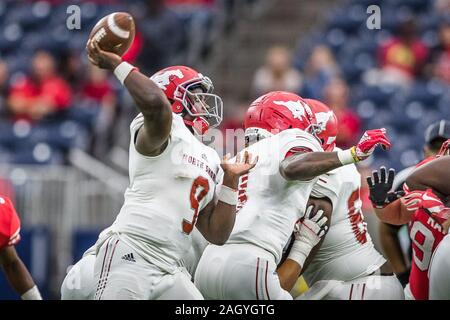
x=380 y=188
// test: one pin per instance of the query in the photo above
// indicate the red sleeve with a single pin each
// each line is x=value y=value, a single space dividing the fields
x=295 y=150
x=9 y=223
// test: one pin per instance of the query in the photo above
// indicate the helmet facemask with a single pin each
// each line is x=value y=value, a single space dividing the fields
x=445 y=149
x=328 y=142
x=202 y=106
x=314 y=128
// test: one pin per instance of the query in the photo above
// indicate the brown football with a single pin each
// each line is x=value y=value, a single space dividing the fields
x=114 y=32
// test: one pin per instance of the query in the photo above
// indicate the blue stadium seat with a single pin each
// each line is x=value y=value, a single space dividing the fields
x=41 y=153
x=380 y=96
x=414 y=5
x=343 y=21
x=367 y=3
x=57 y=135
x=18 y=62
x=6 y=134
x=83 y=240
x=427 y=94
x=410 y=157
x=335 y=38
x=366 y=109
x=6 y=155
x=33 y=41
x=444 y=105
x=11 y=36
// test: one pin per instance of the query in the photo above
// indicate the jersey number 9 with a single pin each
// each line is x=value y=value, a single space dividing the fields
x=195 y=199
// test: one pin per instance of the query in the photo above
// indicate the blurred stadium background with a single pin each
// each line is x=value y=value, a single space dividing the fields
x=63 y=161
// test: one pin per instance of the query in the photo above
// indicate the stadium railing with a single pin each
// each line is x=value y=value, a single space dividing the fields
x=64 y=200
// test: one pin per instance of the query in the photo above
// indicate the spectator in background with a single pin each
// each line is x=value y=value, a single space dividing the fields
x=162 y=34
x=234 y=121
x=197 y=17
x=402 y=58
x=97 y=92
x=97 y=87
x=72 y=69
x=277 y=73
x=4 y=85
x=442 y=7
x=336 y=95
x=234 y=117
x=441 y=55
x=435 y=135
x=40 y=94
x=320 y=69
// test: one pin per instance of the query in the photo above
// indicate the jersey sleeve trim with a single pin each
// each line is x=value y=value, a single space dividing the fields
x=134 y=129
x=15 y=238
x=323 y=188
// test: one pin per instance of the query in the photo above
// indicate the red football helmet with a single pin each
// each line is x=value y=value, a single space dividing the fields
x=277 y=111
x=200 y=110
x=328 y=124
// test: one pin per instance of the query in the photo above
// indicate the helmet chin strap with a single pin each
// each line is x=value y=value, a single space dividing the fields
x=200 y=125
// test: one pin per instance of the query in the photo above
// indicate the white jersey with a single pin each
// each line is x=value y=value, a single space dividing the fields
x=438 y=271
x=159 y=212
x=347 y=251
x=269 y=205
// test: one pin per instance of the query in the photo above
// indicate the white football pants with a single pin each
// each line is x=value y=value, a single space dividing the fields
x=79 y=283
x=237 y=272
x=374 y=287
x=121 y=273
x=439 y=273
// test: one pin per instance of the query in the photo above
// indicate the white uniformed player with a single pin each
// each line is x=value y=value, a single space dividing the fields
x=272 y=199
x=173 y=179
x=439 y=271
x=346 y=266
x=79 y=283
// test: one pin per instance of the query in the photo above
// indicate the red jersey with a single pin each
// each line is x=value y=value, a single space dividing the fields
x=395 y=53
x=9 y=223
x=426 y=233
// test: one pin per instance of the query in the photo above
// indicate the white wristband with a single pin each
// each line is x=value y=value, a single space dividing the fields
x=299 y=252
x=32 y=294
x=228 y=195
x=123 y=70
x=345 y=156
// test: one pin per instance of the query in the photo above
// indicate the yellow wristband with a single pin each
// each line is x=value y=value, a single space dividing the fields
x=354 y=155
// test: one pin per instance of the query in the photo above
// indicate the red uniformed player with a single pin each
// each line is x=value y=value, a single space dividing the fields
x=15 y=271
x=422 y=208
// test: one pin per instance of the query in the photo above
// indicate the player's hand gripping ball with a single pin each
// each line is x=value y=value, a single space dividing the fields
x=110 y=38
x=114 y=32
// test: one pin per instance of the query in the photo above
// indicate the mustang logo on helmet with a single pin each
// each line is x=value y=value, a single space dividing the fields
x=296 y=107
x=322 y=118
x=163 y=79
